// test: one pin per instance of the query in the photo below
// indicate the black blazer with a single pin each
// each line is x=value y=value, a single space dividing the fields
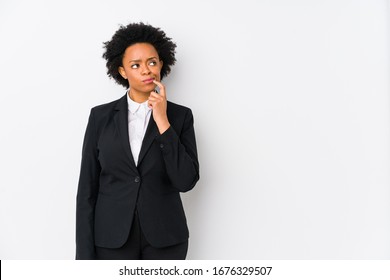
x=111 y=186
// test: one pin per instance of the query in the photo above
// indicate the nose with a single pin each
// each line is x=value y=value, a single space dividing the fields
x=145 y=70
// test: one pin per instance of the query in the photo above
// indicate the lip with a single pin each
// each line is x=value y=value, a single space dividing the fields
x=148 y=81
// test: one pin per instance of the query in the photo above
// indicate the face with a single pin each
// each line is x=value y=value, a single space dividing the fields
x=141 y=65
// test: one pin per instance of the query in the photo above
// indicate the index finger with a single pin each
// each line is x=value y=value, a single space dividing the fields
x=161 y=86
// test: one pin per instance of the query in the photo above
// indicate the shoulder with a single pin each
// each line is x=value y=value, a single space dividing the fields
x=179 y=116
x=110 y=106
x=177 y=109
x=106 y=111
x=102 y=114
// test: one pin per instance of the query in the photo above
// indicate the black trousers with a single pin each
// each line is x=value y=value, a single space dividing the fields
x=138 y=248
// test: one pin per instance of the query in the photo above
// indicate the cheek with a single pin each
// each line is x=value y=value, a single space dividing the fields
x=157 y=72
x=131 y=75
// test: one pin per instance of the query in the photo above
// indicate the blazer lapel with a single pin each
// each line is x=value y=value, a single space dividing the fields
x=150 y=134
x=121 y=122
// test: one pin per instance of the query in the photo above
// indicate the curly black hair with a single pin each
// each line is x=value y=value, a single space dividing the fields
x=134 y=33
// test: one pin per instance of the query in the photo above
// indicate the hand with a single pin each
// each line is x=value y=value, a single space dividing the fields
x=158 y=103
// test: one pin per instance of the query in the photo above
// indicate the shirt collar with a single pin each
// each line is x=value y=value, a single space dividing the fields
x=134 y=106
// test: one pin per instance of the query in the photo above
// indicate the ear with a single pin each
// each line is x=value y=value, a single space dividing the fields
x=121 y=71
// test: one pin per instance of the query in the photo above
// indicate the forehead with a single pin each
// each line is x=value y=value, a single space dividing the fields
x=140 y=51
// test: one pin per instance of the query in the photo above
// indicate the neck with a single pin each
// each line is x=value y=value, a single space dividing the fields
x=138 y=97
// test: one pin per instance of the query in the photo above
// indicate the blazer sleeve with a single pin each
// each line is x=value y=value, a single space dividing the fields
x=88 y=188
x=180 y=154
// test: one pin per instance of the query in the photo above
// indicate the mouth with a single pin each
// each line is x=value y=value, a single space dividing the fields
x=148 y=81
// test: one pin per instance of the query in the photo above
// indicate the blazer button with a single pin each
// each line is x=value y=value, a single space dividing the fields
x=137 y=179
x=161 y=146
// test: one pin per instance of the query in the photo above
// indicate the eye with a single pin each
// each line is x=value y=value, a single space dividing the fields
x=153 y=62
x=134 y=66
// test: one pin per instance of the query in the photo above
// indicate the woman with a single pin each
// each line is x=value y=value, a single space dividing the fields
x=139 y=153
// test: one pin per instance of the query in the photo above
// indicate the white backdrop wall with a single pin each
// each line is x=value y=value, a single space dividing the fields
x=291 y=106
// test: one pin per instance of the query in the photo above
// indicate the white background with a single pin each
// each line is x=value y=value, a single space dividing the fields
x=291 y=107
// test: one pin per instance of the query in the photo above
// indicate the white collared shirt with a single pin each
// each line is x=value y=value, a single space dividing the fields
x=138 y=119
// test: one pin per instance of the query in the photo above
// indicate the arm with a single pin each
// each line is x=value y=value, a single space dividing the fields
x=179 y=151
x=88 y=188
x=180 y=154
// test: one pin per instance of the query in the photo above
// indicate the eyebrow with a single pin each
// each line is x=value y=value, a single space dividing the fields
x=138 y=60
